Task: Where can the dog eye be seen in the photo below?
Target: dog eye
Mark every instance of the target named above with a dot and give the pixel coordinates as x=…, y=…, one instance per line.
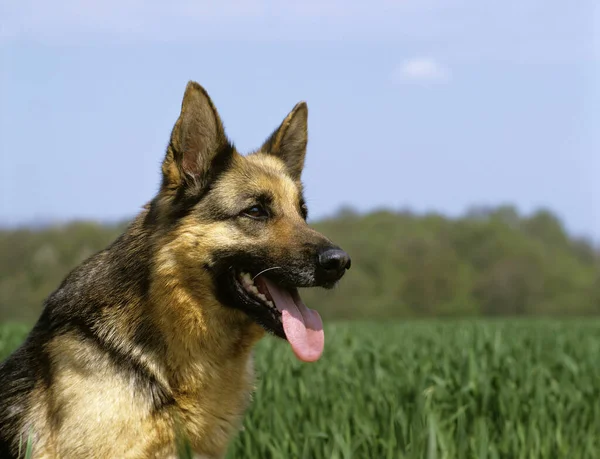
x=256, y=212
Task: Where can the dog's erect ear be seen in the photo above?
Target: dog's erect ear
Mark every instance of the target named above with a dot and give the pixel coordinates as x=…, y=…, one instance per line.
x=288, y=142
x=199, y=147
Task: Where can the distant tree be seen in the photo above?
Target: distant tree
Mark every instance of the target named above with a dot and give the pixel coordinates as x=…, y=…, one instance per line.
x=491, y=261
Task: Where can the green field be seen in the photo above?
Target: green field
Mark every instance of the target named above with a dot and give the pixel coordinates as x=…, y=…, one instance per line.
x=481, y=389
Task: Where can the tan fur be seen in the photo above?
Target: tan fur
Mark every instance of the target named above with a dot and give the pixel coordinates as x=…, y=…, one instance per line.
x=208, y=369
x=201, y=350
x=209, y=362
x=88, y=388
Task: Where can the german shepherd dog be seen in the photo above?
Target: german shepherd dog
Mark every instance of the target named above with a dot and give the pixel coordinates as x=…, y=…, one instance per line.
x=151, y=339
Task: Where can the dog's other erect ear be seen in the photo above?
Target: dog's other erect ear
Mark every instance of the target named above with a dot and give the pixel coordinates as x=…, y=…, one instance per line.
x=198, y=148
x=289, y=140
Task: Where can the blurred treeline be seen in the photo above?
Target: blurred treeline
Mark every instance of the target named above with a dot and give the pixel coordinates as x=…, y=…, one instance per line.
x=489, y=262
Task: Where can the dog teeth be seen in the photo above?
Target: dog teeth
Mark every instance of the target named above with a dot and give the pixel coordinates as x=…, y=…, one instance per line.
x=250, y=286
x=247, y=281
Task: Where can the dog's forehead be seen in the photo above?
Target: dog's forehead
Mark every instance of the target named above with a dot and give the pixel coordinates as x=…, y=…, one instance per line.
x=259, y=173
x=264, y=163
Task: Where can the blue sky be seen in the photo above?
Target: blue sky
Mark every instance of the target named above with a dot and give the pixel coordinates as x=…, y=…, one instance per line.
x=431, y=104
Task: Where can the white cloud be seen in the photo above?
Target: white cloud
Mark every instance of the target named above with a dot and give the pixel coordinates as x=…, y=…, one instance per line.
x=421, y=70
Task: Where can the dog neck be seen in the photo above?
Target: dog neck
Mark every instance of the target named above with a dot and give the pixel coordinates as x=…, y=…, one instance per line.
x=197, y=330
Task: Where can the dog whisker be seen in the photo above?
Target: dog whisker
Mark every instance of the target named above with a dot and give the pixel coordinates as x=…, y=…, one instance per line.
x=265, y=270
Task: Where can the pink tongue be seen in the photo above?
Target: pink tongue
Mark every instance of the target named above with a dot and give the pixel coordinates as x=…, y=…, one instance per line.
x=303, y=326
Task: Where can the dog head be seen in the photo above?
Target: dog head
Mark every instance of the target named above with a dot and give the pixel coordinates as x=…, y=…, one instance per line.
x=240, y=221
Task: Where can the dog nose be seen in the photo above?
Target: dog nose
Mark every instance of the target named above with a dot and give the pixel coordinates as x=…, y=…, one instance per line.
x=334, y=261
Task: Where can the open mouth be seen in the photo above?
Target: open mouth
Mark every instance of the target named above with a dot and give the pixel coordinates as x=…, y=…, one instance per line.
x=302, y=326
x=251, y=287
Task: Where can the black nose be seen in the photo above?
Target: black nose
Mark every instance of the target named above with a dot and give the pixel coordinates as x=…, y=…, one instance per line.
x=334, y=261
